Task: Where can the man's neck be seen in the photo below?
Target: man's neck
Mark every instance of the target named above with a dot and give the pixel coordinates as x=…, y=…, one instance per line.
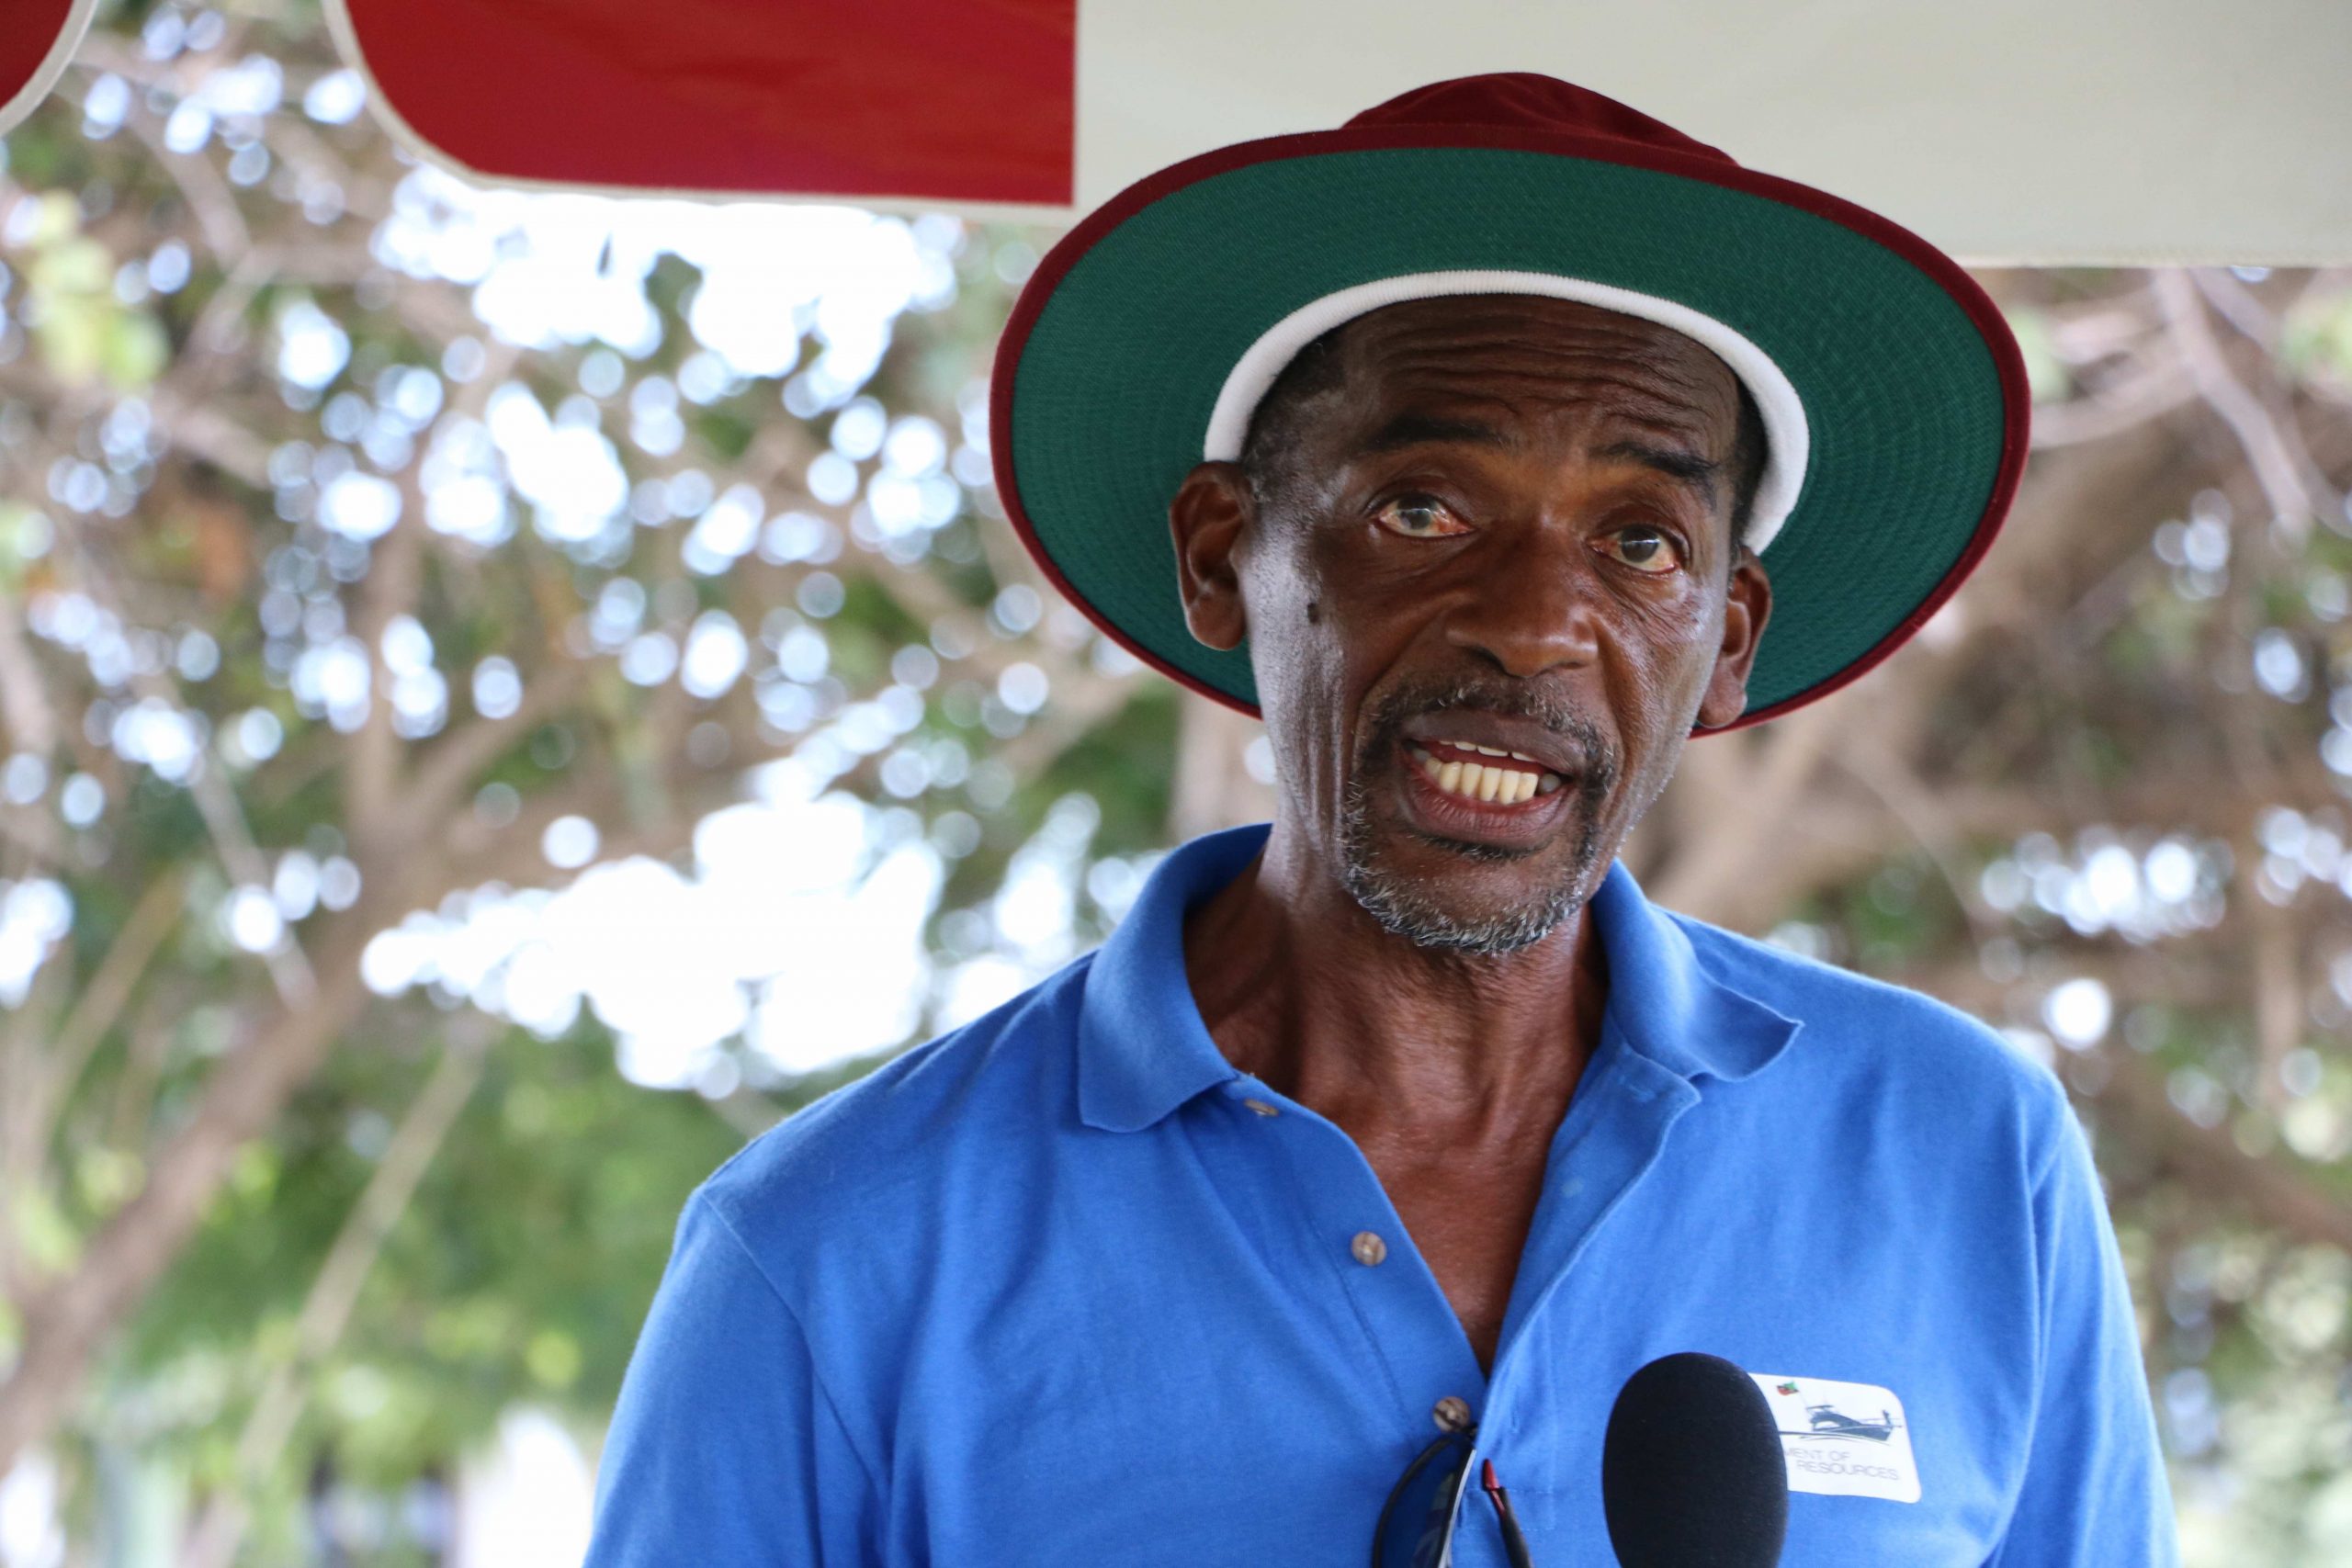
x=1397, y=1043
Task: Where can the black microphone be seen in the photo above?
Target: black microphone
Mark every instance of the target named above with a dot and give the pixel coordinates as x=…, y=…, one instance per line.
x=1691, y=1471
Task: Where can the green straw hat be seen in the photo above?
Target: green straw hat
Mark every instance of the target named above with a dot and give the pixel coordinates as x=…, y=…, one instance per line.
x=1894, y=397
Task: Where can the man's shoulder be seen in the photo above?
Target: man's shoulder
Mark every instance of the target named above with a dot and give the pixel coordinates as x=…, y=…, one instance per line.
x=871, y=1148
x=1852, y=1025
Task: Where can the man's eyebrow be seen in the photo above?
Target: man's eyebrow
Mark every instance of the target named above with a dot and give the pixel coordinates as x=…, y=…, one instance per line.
x=1424, y=429
x=1699, y=473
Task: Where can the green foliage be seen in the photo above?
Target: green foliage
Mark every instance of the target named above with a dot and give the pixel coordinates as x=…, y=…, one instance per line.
x=521, y=1269
x=80, y=328
x=2318, y=339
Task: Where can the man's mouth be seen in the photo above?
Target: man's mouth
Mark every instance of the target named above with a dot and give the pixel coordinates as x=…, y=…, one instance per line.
x=1485, y=773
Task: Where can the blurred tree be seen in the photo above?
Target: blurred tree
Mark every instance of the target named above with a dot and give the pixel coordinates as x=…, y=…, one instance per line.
x=376, y=553
x=455, y=644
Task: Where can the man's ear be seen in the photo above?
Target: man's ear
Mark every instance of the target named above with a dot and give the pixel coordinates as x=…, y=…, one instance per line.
x=1748, y=604
x=1210, y=516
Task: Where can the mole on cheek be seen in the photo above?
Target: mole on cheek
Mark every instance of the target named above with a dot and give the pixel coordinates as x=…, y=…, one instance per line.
x=1314, y=613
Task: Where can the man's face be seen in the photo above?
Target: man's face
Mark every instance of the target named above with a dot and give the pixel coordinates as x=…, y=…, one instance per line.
x=1506, y=526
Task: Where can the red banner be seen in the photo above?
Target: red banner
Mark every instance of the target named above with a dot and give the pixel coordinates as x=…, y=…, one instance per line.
x=957, y=100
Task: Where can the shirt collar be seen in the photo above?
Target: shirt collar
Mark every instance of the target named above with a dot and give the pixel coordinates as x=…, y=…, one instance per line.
x=1143, y=1050
x=1672, y=1005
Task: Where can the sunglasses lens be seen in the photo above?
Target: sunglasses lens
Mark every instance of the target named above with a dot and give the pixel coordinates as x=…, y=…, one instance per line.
x=1418, y=1516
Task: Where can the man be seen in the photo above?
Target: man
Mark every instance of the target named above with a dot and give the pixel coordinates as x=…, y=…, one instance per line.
x=1406, y=1129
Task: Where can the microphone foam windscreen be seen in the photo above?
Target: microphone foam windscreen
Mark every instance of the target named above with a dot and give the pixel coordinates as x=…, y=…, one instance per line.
x=1691, y=1471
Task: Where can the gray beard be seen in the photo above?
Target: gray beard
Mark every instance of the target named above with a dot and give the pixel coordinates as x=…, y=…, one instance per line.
x=1413, y=909
x=1417, y=908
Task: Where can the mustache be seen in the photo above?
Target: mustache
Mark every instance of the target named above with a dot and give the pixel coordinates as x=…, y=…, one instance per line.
x=1516, y=699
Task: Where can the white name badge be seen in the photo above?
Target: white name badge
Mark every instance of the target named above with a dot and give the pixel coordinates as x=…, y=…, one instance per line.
x=1844, y=1439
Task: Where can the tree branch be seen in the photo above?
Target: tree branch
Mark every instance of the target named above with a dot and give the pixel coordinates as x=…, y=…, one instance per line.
x=2278, y=1193
x=2265, y=450
x=335, y=1291
x=23, y=706
x=67, y=1322
x=225, y=819
x=371, y=772
x=439, y=781
x=43, y=1089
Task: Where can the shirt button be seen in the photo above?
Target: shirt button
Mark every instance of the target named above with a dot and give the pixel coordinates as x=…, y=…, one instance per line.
x=1452, y=1413
x=1261, y=1108
x=1368, y=1247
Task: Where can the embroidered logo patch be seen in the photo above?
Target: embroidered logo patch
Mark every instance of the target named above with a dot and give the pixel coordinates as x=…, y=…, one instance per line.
x=1842, y=1439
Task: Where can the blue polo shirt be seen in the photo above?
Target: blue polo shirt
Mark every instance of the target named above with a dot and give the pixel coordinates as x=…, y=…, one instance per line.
x=1064, y=1287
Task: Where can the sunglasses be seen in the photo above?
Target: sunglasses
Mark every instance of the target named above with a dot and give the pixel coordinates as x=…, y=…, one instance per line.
x=1416, y=1528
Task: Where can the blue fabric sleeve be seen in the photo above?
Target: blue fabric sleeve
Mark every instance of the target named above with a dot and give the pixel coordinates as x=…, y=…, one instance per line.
x=725, y=1449
x=2095, y=1493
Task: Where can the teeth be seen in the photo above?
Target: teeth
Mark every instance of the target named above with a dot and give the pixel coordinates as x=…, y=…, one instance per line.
x=1503, y=786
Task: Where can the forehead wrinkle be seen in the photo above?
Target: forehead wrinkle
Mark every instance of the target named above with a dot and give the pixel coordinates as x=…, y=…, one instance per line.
x=1509, y=338
x=1457, y=376
x=1596, y=419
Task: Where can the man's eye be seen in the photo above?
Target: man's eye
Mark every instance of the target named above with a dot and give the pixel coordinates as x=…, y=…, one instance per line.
x=1645, y=549
x=1419, y=517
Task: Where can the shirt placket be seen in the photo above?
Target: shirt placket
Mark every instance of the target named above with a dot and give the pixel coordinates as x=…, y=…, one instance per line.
x=1615, y=1134
x=1351, y=1237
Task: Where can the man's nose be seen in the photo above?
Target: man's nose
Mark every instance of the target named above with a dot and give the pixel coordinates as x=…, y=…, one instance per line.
x=1533, y=609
